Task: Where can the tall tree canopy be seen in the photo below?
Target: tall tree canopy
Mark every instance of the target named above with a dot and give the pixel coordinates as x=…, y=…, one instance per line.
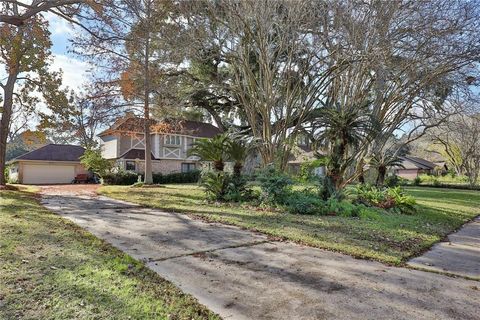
x=25, y=56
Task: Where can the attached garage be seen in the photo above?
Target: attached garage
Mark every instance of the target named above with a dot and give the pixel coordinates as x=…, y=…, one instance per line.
x=50, y=164
x=48, y=173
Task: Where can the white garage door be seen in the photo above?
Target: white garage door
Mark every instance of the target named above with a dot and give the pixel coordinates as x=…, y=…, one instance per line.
x=48, y=174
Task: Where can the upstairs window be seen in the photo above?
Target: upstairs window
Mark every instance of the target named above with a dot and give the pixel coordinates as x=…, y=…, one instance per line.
x=172, y=140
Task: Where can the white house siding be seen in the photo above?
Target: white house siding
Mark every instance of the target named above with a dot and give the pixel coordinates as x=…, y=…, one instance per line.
x=110, y=147
x=125, y=144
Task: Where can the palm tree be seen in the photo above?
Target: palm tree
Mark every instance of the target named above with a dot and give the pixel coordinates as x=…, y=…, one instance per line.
x=382, y=161
x=344, y=129
x=214, y=149
x=237, y=152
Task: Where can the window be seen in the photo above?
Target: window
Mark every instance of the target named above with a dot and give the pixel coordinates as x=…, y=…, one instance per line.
x=130, y=165
x=172, y=140
x=187, y=167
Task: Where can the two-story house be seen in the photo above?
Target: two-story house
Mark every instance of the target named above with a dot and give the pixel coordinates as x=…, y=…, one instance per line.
x=124, y=141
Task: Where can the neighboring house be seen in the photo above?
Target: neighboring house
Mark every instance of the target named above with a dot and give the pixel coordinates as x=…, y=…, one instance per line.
x=124, y=141
x=414, y=166
x=301, y=153
x=50, y=164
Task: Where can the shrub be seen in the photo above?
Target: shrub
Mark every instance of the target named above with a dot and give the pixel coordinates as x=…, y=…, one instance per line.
x=120, y=178
x=342, y=208
x=6, y=173
x=394, y=181
x=387, y=198
x=417, y=181
x=275, y=185
x=214, y=184
x=177, y=177
x=222, y=186
x=93, y=161
x=403, y=203
x=304, y=202
x=236, y=189
x=369, y=195
x=308, y=202
x=129, y=177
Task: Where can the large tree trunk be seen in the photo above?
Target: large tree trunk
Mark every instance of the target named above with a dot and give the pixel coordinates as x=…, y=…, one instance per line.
x=148, y=147
x=219, y=165
x=148, y=141
x=5, y=123
x=382, y=171
x=237, y=169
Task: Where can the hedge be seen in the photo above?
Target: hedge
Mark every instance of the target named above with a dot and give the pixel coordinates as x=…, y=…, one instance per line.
x=449, y=186
x=129, y=177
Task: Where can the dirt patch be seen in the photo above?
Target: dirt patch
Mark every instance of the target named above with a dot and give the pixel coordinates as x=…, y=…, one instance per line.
x=70, y=189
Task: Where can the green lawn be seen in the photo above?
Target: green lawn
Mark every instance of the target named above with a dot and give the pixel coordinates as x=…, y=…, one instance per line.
x=387, y=237
x=51, y=269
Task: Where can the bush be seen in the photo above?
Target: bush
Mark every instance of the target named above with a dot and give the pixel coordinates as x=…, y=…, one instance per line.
x=308, y=202
x=394, y=181
x=342, y=208
x=120, y=178
x=275, y=185
x=214, y=184
x=222, y=186
x=129, y=177
x=387, y=198
x=93, y=161
x=236, y=189
x=403, y=203
x=304, y=202
x=177, y=177
x=417, y=181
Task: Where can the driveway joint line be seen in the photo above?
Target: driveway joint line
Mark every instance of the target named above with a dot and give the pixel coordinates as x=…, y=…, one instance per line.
x=241, y=245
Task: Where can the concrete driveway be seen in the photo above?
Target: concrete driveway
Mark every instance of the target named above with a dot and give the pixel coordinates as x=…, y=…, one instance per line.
x=244, y=275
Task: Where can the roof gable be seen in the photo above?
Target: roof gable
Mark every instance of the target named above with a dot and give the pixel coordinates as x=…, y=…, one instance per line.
x=419, y=162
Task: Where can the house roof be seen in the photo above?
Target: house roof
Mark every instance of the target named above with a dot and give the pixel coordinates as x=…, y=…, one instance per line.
x=133, y=124
x=133, y=154
x=419, y=162
x=54, y=152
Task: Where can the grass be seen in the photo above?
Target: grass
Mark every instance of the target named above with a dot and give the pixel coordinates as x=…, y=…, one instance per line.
x=386, y=237
x=52, y=269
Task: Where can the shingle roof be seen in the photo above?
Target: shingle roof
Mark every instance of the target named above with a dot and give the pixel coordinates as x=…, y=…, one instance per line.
x=198, y=129
x=54, y=152
x=188, y=127
x=133, y=154
x=419, y=162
